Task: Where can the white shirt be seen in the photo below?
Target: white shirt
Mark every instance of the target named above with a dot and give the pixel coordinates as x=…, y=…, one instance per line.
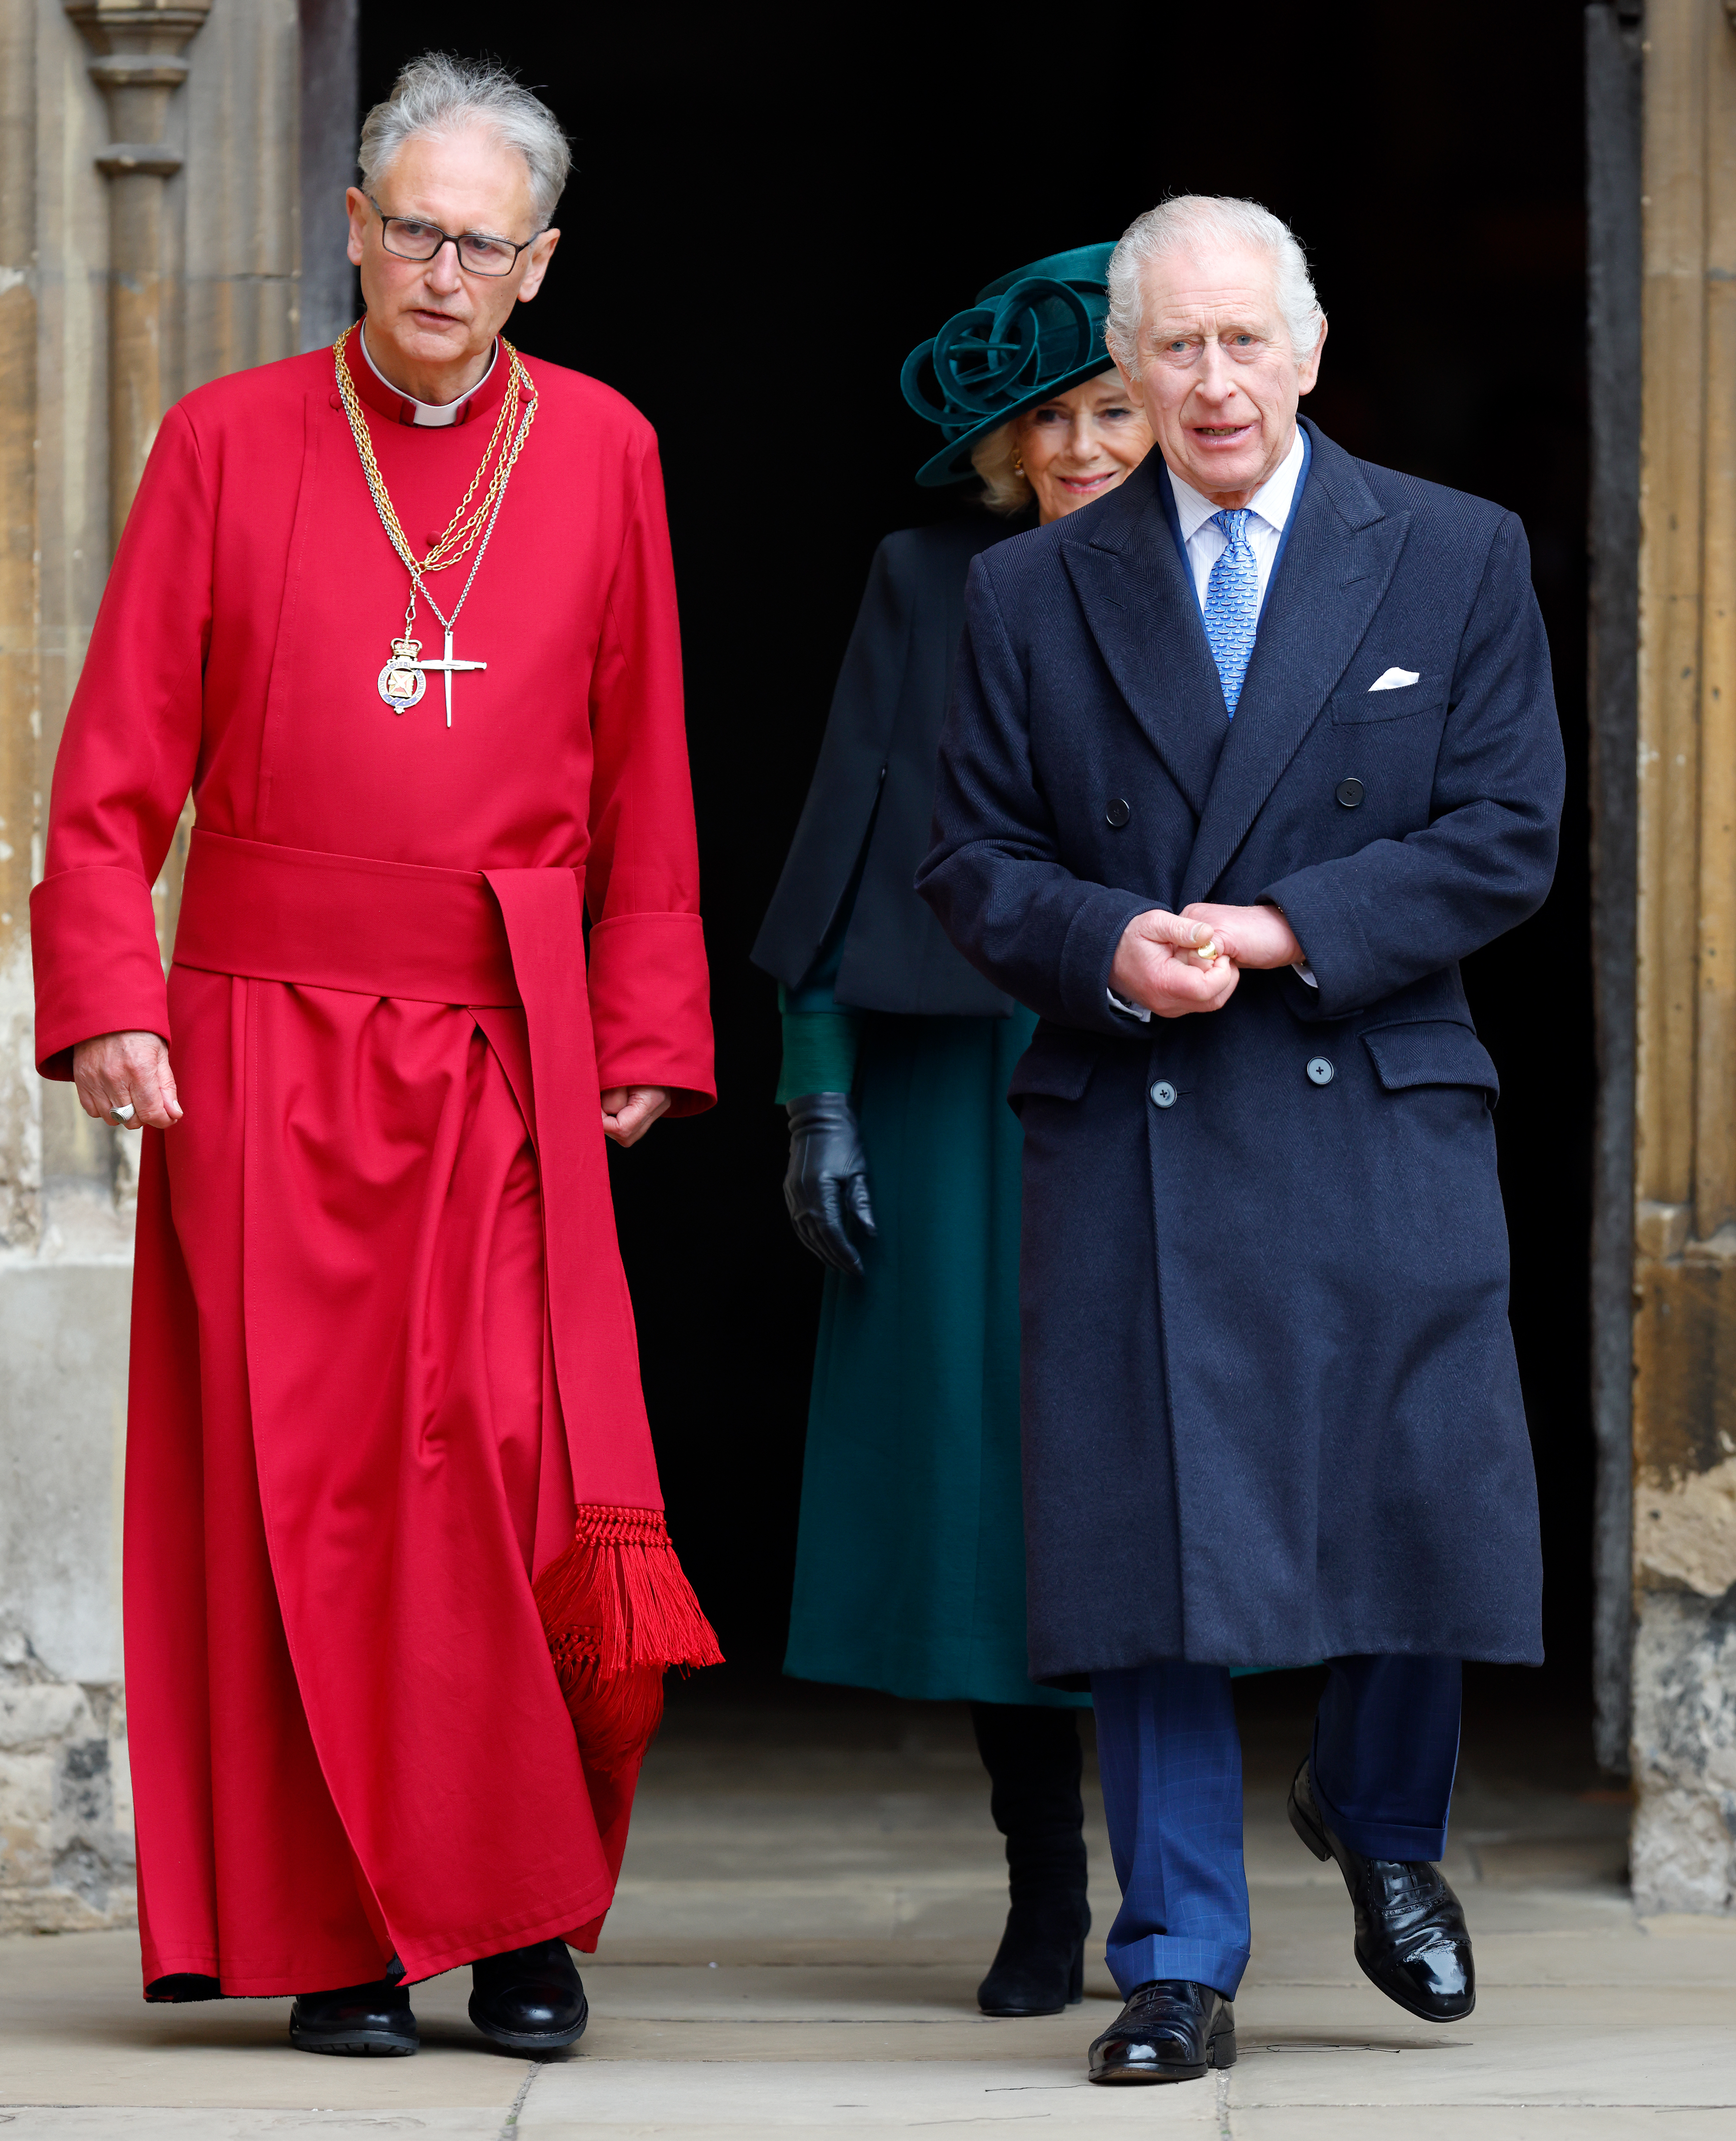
x=1268, y=510
x=432, y=414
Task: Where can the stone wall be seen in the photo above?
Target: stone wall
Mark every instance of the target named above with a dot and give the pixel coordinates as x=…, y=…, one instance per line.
x=1683, y=1857
x=227, y=214
x=1683, y=1693
x=66, y=1827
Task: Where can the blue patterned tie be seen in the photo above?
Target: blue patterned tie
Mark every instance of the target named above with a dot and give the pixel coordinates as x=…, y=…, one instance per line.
x=1232, y=604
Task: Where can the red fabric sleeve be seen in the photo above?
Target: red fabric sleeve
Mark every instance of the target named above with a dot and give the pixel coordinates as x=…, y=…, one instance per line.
x=649, y=989
x=125, y=766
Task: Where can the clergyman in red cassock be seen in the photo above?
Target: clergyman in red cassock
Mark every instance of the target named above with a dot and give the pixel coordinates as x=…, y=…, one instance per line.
x=393, y=1521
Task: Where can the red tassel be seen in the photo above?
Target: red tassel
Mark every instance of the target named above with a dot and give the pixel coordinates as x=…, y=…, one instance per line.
x=618, y=1612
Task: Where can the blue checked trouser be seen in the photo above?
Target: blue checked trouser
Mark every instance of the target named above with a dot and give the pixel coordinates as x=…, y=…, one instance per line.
x=1385, y=1748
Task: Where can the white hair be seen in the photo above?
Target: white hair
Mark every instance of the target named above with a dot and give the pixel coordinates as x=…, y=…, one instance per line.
x=1190, y=220
x=440, y=94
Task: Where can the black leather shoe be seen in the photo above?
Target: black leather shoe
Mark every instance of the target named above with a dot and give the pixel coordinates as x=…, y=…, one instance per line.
x=529, y=1999
x=1039, y=1966
x=1411, y=1937
x=366, y=2020
x=1171, y=2030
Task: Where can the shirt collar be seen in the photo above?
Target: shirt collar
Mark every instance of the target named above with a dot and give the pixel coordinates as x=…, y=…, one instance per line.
x=1271, y=501
x=430, y=416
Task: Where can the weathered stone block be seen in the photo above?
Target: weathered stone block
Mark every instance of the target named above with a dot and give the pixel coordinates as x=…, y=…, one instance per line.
x=26, y=1804
x=1684, y=1753
x=65, y=1832
x=33, y=1717
x=62, y=1440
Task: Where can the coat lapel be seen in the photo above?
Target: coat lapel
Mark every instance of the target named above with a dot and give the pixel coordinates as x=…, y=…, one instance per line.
x=1143, y=612
x=1334, y=572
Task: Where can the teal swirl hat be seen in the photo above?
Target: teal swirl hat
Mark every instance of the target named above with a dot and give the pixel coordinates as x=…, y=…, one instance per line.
x=1029, y=335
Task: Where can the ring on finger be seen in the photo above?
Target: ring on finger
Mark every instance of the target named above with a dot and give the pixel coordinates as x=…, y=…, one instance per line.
x=121, y=1114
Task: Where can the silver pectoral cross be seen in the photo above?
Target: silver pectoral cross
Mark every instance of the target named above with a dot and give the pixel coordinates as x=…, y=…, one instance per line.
x=449, y=664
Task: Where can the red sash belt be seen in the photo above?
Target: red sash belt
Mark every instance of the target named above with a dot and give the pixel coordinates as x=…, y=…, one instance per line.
x=384, y=929
x=616, y=1605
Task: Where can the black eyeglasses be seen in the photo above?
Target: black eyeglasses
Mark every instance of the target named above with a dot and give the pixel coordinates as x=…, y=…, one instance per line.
x=408, y=238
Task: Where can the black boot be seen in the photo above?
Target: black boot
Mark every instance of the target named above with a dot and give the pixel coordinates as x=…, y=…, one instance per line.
x=1032, y=1755
x=529, y=1999
x=364, y=2019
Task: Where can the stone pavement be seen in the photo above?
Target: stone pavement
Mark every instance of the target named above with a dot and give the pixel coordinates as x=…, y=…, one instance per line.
x=812, y=1892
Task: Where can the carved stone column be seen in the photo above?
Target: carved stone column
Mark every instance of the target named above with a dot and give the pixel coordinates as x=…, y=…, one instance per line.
x=1684, y=1265
x=20, y=598
x=139, y=66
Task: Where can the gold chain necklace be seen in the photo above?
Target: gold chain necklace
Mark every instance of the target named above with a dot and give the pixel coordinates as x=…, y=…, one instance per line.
x=404, y=678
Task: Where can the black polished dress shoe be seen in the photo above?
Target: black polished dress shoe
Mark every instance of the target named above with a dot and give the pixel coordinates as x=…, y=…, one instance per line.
x=1039, y=1966
x=364, y=2021
x=1171, y=2030
x=529, y=1999
x=1411, y=1938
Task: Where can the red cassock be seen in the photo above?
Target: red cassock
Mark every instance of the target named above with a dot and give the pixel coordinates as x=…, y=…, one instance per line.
x=381, y=1343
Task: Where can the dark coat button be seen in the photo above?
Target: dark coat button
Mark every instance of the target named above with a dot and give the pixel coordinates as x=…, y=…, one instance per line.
x=1163, y=1094
x=1117, y=812
x=1348, y=792
x=1321, y=1071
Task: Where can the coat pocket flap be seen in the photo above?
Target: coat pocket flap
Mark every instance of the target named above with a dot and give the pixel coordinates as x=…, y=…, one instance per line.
x=1431, y=1051
x=1357, y=703
x=1054, y=1067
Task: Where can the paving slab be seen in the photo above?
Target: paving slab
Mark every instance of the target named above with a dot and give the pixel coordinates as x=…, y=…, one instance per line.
x=901, y=1991
x=810, y=1903
x=1519, y=2121
x=1679, y=1925
x=1520, y=1937
x=74, y=2030
x=818, y=1906
x=939, y=2036
x=178, y=2123
x=1490, y=2062
x=1359, y=2010
x=758, y=2096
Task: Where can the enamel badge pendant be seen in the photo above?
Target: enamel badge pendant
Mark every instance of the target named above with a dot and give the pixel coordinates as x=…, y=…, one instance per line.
x=401, y=681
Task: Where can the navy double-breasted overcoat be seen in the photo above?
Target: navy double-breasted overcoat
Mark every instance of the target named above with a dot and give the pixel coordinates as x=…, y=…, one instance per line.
x=1271, y=1411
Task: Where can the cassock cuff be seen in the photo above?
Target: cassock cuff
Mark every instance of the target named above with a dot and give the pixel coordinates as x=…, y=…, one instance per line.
x=650, y=1006
x=93, y=942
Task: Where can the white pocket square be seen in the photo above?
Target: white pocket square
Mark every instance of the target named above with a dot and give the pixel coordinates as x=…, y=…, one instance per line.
x=1395, y=680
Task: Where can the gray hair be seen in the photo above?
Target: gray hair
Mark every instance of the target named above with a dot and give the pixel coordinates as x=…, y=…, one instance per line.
x=1005, y=487
x=1179, y=225
x=441, y=94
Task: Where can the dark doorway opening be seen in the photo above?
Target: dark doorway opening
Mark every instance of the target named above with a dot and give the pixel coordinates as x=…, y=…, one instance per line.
x=759, y=227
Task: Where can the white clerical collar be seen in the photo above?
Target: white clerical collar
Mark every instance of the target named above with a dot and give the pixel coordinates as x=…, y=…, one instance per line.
x=431, y=415
x=1271, y=501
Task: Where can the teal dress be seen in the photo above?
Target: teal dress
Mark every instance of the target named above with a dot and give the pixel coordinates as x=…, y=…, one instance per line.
x=910, y=1560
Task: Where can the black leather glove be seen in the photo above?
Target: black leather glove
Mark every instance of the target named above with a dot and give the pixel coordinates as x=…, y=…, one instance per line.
x=828, y=1179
